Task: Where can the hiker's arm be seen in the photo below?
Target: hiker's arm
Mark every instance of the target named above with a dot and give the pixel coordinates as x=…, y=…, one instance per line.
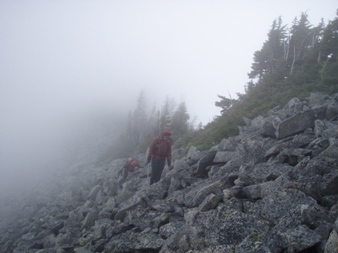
x=151, y=148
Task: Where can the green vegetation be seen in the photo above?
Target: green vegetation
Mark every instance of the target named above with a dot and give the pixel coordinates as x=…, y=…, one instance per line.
x=292, y=62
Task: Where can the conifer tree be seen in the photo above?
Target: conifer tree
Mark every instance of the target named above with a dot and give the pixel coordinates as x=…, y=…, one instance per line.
x=166, y=113
x=300, y=41
x=139, y=119
x=225, y=103
x=329, y=53
x=270, y=57
x=180, y=124
x=153, y=122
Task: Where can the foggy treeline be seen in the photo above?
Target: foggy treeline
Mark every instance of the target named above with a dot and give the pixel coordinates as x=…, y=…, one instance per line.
x=143, y=124
x=294, y=61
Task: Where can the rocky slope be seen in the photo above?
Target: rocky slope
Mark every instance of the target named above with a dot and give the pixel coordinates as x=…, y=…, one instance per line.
x=273, y=188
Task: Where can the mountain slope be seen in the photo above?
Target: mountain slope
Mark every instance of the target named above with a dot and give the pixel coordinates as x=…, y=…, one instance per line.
x=272, y=188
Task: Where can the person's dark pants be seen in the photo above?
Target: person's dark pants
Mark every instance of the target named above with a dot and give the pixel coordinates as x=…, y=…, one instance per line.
x=157, y=166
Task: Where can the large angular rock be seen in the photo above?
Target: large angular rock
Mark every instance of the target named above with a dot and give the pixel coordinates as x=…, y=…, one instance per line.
x=210, y=202
x=130, y=205
x=224, y=156
x=300, y=122
x=300, y=238
x=93, y=193
x=204, y=162
x=193, y=155
x=329, y=185
x=197, y=195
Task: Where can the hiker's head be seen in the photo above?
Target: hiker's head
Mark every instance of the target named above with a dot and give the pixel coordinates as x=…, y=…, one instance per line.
x=130, y=160
x=166, y=133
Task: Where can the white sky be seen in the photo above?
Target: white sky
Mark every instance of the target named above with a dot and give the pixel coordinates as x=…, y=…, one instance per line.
x=62, y=58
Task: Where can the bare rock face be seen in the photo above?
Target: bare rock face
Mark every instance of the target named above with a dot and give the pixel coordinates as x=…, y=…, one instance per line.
x=272, y=188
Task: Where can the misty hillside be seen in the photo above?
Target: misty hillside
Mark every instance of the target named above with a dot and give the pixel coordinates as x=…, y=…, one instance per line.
x=272, y=188
x=260, y=177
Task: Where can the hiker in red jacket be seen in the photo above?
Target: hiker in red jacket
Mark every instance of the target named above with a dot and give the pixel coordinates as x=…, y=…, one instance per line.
x=159, y=152
x=127, y=168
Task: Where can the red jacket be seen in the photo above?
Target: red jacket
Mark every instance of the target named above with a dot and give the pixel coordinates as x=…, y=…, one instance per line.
x=130, y=166
x=160, y=147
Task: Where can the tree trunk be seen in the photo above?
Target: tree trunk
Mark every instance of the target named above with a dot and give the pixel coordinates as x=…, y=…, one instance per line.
x=293, y=61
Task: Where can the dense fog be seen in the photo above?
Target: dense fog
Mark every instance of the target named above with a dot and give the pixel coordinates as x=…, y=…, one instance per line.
x=43, y=143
